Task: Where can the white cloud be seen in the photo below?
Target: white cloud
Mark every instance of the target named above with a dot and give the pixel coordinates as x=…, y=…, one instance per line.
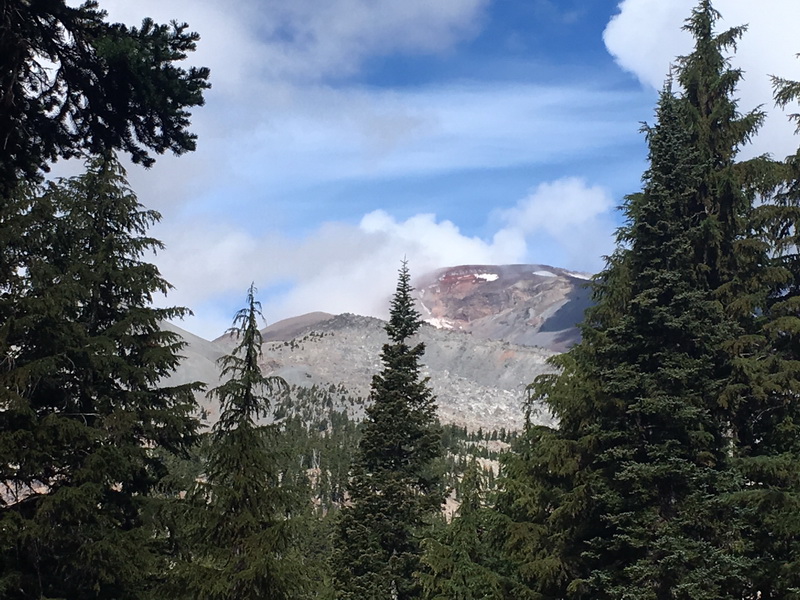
x=305, y=40
x=272, y=115
x=337, y=268
x=646, y=36
x=557, y=207
x=352, y=268
x=565, y=223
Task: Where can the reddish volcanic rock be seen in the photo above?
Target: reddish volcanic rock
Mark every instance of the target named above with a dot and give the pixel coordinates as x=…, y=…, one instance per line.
x=533, y=305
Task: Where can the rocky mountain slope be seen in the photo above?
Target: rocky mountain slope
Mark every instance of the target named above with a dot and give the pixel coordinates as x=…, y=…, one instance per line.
x=530, y=305
x=477, y=383
x=492, y=330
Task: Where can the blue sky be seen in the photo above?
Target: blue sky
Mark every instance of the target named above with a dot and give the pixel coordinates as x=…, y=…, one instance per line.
x=341, y=136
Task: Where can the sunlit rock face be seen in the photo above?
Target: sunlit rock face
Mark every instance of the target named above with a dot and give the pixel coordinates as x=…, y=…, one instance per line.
x=530, y=305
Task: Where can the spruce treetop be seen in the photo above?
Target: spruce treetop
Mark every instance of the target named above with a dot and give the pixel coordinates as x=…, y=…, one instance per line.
x=404, y=319
x=243, y=395
x=240, y=539
x=395, y=488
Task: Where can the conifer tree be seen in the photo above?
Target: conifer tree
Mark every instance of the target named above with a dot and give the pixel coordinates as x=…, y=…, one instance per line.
x=239, y=539
x=768, y=438
x=74, y=85
x=82, y=406
x=458, y=564
x=633, y=495
x=761, y=296
x=394, y=488
x=114, y=88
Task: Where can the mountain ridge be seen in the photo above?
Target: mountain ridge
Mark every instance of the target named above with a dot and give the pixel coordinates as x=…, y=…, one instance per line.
x=476, y=315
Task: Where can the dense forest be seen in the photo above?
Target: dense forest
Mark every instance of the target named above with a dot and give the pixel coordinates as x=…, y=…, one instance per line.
x=673, y=470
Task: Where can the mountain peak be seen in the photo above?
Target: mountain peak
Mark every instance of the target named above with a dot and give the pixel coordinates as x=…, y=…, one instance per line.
x=527, y=304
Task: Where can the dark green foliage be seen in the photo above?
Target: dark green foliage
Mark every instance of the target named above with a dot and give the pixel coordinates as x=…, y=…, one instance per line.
x=786, y=92
x=662, y=459
x=319, y=441
x=768, y=423
x=635, y=494
x=82, y=357
x=458, y=563
x=240, y=526
x=322, y=439
x=761, y=392
x=394, y=489
x=114, y=88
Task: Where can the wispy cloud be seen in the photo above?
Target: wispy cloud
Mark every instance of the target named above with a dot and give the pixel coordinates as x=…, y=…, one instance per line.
x=284, y=106
x=280, y=118
x=305, y=40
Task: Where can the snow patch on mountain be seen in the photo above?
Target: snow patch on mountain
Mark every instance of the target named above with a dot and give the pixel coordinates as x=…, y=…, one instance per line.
x=440, y=323
x=578, y=275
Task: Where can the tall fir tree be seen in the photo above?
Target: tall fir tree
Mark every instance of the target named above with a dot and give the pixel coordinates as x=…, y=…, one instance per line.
x=760, y=293
x=239, y=527
x=395, y=489
x=634, y=495
x=82, y=404
x=74, y=85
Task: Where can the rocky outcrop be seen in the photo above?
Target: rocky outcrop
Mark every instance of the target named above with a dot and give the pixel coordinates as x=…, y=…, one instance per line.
x=478, y=383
